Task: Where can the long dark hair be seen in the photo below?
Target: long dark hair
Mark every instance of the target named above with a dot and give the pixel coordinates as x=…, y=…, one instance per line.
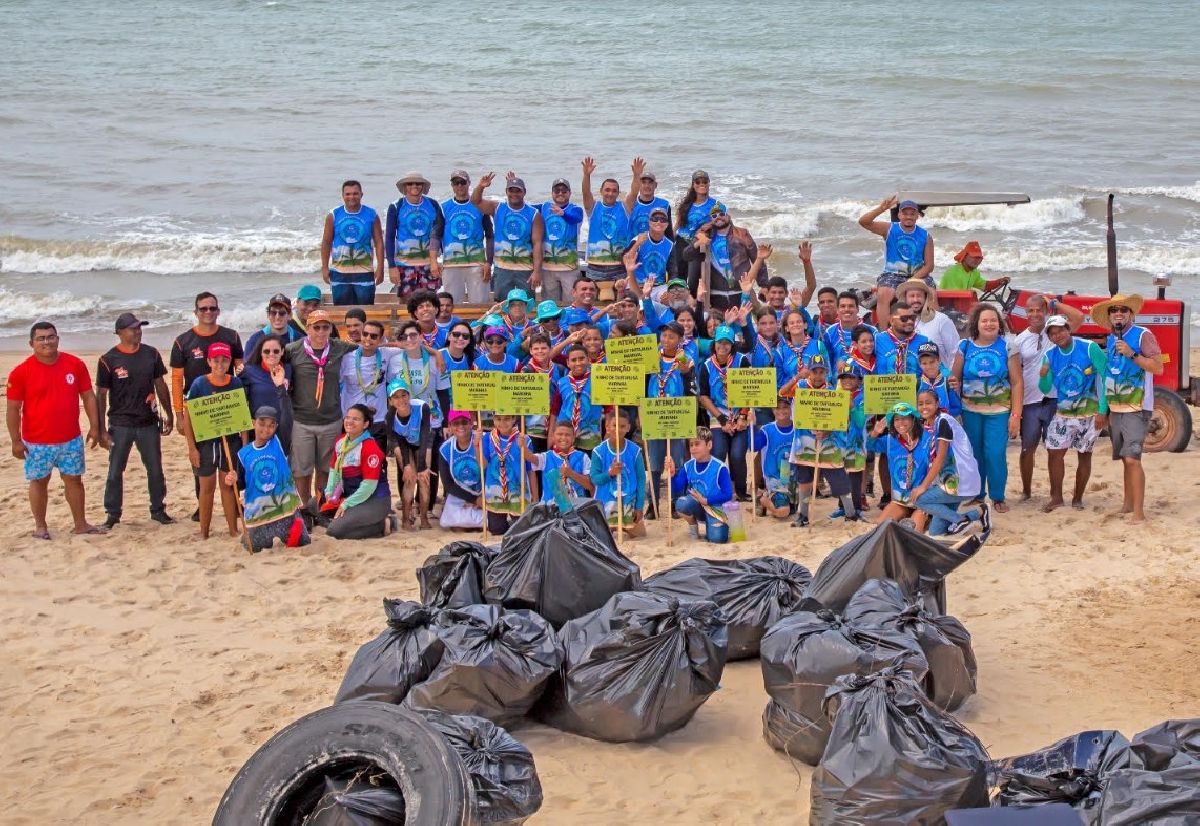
x=469, y=350
x=685, y=203
x=255, y=357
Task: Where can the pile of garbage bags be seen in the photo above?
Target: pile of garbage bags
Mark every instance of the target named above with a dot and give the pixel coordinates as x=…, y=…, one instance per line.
x=1109, y=780
x=636, y=668
x=753, y=594
x=893, y=756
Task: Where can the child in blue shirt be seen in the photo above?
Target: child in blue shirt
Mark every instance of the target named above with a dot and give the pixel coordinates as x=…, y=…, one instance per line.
x=704, y=485
x=609, y=464
x=773, y=443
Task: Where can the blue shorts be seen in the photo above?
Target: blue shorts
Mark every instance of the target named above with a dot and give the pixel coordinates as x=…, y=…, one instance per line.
x=892, y=280
x=352, y=288
x=40, y=460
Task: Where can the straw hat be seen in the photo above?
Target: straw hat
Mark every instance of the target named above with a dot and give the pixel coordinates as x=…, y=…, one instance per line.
x=931, y=302
x=1100, y=311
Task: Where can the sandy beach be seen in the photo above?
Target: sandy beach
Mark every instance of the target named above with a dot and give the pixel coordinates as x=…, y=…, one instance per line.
x=143, y=667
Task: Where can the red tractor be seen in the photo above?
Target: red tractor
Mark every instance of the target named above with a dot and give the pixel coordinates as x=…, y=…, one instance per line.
x=1169, y=320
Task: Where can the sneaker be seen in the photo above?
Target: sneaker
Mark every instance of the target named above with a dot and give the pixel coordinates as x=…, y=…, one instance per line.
x=111, y=521
x=854, y=517
x=800, y=522
x=162, y=518
x=743, y=497
x=957, y=528
x=837, y=514
x=985, y=517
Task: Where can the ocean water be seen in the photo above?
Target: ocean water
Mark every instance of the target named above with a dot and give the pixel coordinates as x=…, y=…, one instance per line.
x=149, y=150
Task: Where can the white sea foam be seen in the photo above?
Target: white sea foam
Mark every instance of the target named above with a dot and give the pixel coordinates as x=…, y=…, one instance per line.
x=1185, y=193
x=1145, y=256
x=267, y=250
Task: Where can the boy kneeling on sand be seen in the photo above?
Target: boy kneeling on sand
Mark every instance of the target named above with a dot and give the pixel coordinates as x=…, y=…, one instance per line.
x=705, y=485
x=272, y=505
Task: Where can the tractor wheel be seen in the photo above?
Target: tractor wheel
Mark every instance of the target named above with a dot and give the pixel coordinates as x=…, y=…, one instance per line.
x=1170, y=424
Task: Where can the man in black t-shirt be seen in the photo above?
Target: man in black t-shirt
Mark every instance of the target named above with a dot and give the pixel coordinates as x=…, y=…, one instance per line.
x=130, y=383
x=189, y=356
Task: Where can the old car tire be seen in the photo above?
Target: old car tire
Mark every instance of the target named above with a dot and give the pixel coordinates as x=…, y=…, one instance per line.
x=281, y=783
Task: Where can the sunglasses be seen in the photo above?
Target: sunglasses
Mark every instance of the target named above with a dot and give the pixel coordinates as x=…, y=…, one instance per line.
x=658, y=219
x=909, y=317
x=1112, y=310
x=458, y=182
x=277, y=312
x=371, y=336
x=411, y=334
x=213, y=309
x=320, y=328
x=494, y=340
x=267, y=352
x=459, y=334
x=699, y=180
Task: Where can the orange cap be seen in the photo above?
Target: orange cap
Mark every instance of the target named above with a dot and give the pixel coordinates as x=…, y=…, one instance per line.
x=315, y=316
x=972, y=249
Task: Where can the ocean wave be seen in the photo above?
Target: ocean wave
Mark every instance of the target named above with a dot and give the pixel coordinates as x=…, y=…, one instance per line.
x=1143, y=256
x=265, y=250
x=1183, y=193
x=21, y=307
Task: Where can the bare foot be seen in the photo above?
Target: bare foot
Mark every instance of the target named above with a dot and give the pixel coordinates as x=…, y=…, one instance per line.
x=41, y=533
x=1000, y=507
x=1137, y=518
x=1026, y=496
x=90, y=529
x=1077, y=504
x=1053, y=504
x=425, y=526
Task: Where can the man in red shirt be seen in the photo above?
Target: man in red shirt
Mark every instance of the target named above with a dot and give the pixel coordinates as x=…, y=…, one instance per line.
x=43, y=423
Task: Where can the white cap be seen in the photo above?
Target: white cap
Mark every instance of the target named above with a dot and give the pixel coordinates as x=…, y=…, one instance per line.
x=1058, y=321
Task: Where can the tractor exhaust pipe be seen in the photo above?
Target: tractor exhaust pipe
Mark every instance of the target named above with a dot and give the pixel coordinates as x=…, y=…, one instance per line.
x=1111, y=240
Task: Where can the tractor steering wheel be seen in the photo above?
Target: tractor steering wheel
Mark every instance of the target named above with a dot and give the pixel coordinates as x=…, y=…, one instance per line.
x=1004, y=295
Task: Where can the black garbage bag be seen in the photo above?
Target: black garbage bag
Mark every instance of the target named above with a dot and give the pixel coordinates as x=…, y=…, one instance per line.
x=946, y=643
x=561, y=565
x=636, y=668
x=506, y=783
x=893, y=756
x=495, y=663
x=801, y=657
x=753, y=594
x=385, y=668
x=355, y=802
x=1071, y=771
x=1167, y=745
x=453, y=577
x=891, y=551
x=1136, y=797
x=1161, y=784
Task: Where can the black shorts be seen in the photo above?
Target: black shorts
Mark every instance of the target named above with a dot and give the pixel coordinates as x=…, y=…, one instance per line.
x=213, y=457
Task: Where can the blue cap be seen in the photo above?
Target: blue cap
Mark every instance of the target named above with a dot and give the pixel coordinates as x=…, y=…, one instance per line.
x=816, y=360
x=517, y=294
x=309, y=292
x=397, y=384
x=725, y=333
x=574, y=315
x=548, y=309
x=907, y=203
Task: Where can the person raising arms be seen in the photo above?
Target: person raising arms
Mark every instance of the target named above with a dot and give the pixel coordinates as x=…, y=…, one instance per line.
x=907, y=254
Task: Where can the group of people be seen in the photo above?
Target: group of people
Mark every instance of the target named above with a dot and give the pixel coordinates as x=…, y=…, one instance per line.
x=334, y=405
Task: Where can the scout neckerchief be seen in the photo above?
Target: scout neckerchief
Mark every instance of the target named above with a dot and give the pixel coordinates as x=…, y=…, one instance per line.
x=766, y=345
x=798, y=351
x=503, y=456
x=599, y=357
x=534, y=367
x=861, y=360
x=663, y=380
x=430, y=339
x=344, y=446
x=844, y=336
x=368, y=389
x=901, y=350
x=320, y=363
x=577, y=387
x=721, y=371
